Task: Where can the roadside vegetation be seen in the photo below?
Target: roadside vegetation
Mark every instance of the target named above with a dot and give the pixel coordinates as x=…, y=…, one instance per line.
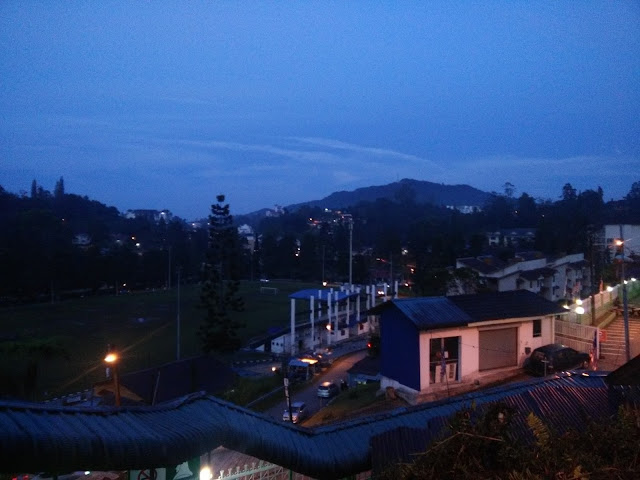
x=473, y=448
x=351, y=403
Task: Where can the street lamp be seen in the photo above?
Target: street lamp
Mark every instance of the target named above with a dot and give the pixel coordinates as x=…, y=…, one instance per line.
x=623, y=282
x=112, y=360
x=349, y=218
x=205, y=473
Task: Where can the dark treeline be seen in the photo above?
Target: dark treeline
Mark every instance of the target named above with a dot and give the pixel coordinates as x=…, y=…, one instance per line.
x=391, y=238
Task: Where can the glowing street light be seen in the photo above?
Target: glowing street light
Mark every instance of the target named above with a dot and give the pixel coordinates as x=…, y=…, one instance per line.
x=623, y=282
x=112, y=360
x=205, y=473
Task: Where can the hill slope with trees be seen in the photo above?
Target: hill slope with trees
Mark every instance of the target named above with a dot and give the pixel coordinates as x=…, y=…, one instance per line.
x=398, y=236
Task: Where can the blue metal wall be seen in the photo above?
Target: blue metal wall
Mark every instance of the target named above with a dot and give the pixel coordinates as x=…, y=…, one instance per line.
x=399, y=348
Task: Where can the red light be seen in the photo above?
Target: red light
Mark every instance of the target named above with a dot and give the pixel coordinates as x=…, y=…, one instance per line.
x=369, y=345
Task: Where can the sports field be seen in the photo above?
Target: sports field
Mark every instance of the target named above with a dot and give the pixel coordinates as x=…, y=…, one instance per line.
x=142, y=325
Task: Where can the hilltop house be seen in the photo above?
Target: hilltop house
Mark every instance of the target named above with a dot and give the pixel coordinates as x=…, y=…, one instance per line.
x=554, y=278
x=430, y=343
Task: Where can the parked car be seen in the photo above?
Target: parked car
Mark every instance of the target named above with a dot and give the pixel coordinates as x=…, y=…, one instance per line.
x=555, y=357
x=328, y=390
x=299, y=412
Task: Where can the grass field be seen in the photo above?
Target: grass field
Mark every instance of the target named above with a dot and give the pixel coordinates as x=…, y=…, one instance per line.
x=143, y=326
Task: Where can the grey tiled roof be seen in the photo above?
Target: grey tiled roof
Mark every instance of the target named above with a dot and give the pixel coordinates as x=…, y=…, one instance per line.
x=177, y=379
x=481, y=266
x=537, y=273
x=502, y=305
x=428, y=313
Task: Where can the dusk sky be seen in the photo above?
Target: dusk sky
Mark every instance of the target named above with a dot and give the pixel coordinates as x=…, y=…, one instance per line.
x=158, y=104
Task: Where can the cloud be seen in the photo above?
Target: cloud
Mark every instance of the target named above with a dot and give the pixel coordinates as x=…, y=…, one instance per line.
x=378, y=152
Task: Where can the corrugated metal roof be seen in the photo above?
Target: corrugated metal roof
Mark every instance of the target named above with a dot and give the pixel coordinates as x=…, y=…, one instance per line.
x=35, y=437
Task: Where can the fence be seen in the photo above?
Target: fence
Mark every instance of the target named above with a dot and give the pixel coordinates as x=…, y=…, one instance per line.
x=603, y=302
x=574, y=335
x=269, y=471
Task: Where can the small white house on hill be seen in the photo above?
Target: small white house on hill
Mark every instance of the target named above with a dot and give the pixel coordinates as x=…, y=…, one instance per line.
x=429, y=342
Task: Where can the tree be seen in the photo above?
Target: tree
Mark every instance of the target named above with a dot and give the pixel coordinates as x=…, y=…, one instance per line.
x=58, y=191
x=509, y=189
x=569, y=193
x=219, y=295
x=488, y=444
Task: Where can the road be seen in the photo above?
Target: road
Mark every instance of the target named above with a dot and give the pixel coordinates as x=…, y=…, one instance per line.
x=335, y=373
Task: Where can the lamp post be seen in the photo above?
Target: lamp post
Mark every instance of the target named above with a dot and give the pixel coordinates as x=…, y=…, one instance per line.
x=623, y=284
x=206, y=473
x=579, y=311
x=350, y=221
x=178, y=320
x=112, y=360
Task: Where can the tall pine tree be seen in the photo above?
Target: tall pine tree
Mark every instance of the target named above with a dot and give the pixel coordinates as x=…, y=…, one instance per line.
x=219, y=295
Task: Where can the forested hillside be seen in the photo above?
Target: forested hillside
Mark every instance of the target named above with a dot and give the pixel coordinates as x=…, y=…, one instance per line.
x=397, y=237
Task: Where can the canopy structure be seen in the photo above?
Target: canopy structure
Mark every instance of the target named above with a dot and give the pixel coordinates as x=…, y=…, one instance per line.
x=335, y=303
x=324, y=294
x=40, y=437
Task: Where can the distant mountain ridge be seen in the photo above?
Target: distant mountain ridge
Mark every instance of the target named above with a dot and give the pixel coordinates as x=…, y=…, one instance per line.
x=421, y=191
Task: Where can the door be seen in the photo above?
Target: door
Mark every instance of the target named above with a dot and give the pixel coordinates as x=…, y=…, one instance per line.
x=498, y=348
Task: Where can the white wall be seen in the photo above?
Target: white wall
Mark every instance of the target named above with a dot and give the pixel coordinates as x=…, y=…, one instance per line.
x=526, y=338
x=468, y=358
x=469, y=355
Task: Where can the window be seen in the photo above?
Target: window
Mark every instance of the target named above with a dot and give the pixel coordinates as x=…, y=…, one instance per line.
x=537, y=328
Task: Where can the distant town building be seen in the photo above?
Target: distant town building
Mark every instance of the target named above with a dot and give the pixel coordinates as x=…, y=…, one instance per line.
x=82, y=240
x=516, y=237
x=246, y=232
x=466, y=209
x=275, y=212
x=554, y=278
x=151, y=215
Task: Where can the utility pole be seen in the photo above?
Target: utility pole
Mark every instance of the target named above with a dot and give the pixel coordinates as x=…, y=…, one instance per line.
x=322, y=279
x=169, y=270
x=592, y=280
x=178, y=320
x=625, y=308
x=350, y=219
